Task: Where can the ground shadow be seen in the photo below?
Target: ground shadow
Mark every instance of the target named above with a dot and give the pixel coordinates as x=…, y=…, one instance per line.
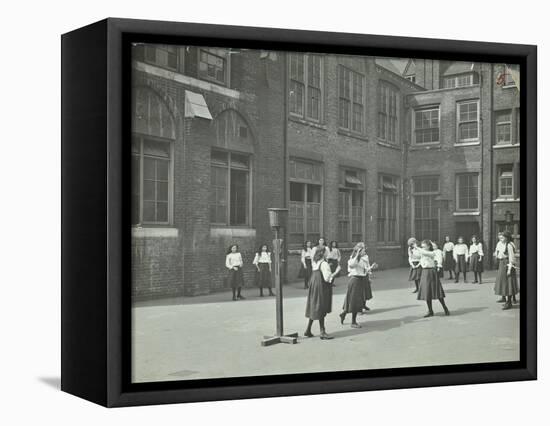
x=384, y=325
x=374, y=311
x=456, y=290
x=54, y=382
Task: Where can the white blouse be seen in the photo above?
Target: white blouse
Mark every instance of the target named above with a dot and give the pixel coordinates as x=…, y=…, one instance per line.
x=438, y=257
x=414, y=255
x=427, y=259
x=263, y=257
x=460, y=249
x=448, y=246
x=359, y=267
x=306, y=254
x=232, y=260
x=500, y=252
x=324, y=267
x=476, y=248
x=334, y=254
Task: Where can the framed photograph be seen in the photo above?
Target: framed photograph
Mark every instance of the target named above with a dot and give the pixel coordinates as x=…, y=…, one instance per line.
x=254, y=212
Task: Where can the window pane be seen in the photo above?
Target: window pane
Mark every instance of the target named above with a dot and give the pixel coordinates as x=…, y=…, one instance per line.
x=148, y=211
x=149, y=190
x=297, y=191
x=162, y=212
x=239, y=197
x=135, y=189
x=313, y=194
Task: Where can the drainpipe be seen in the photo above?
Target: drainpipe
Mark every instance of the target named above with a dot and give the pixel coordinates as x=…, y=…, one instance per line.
x=491, y=168
x=285, y=165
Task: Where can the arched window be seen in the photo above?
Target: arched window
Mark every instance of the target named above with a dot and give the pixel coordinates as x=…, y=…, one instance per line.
x=153, y=135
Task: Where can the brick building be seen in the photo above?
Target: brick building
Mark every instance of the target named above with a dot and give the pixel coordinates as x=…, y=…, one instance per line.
x=361, y=149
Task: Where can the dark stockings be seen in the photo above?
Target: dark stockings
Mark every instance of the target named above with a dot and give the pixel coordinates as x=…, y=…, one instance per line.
x=477, y=277
x=457, y=276
x=416, y=285
x=430, y=307
x=354, y=317
x=234, y=290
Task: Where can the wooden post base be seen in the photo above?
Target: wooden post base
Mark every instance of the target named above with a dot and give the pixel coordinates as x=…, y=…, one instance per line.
x=288, y=338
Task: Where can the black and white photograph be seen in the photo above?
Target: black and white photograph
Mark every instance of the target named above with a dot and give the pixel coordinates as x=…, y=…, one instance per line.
x=380, y=194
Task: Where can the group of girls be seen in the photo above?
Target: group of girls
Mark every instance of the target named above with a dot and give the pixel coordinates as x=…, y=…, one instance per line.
x=234, y=263
x=459, y=257
x=323, y=273
x=333, y=257
x=427, y=264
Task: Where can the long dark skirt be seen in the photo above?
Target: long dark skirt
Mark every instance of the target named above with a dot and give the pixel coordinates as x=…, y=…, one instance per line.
x=355, y=296
x=448, y=261
x=367, y=290
x=506, y=285
x=235, y=278
x=415, y=273
x=430, y=285
x=476, y=264
x=263, y=276
x=319, y=297
x=461, y=265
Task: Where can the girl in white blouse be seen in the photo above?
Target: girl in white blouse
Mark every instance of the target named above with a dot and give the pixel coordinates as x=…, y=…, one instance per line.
x=414, y=261
x=476, y=258
x=262, y=262
x=506, y=284
x=430, y=284
x=448, y=259
x=333, y=257
x=234, y=264
x=461, y=256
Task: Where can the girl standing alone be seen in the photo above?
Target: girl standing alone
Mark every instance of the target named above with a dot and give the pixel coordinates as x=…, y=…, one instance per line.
x=476, y=258
x=414, y=261
x=319, y=298
x=506, y=284
x=430, y=285
x=234, y=262
x=262, y=261
x=448, y=259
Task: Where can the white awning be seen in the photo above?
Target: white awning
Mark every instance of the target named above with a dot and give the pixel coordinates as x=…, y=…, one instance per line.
x=195, y=106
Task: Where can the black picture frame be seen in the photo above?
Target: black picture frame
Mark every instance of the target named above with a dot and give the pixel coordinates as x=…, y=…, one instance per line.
x=95, y=213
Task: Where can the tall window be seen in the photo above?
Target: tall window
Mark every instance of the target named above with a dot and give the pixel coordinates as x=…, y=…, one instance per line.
x=461, y=80
x=467, y=192
x=506, y=181
x=518, y=126
x=426, y=125
x=503, y=127
x=425, y=208
x=229, y=188
x=388, y=192
x=161, y=55
x=213, y=65
x=468, y=121
x=351, y=100
x=304, y=221
x=387, y=112
x=306, y=84
x=151, y=180
x=350, y=206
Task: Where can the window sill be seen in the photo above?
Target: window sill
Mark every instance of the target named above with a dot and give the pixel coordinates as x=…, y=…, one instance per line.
x=344, y=132
x=425, y=146
x=469, y=143
x=154, y=232
x=306, y=122
x=389, y=145
x=508, y=145
x=217, y=231
x=506, y=200
x=466, y=213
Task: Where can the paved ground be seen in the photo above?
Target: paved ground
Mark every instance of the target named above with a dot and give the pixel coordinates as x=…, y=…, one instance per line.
x=212, y=336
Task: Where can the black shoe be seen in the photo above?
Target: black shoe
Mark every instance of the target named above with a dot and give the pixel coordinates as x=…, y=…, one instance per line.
x=325, y=336
x=355, y=325
x=447, y=313
x=475, y=282
x=429, y=314
x=234, y=298
x=342, y=317
x=308, y=334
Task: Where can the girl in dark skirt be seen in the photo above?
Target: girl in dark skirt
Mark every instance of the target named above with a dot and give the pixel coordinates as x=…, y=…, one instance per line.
x=506, y=284
x=460, y=254
x=319, y=298
x=359, y=289
x=306, y=256
x=234, y=263
x=448, y=259
x=430, y=285
x=262, y=261
x=414, y=260
x=333, y=258
x=476, y=258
